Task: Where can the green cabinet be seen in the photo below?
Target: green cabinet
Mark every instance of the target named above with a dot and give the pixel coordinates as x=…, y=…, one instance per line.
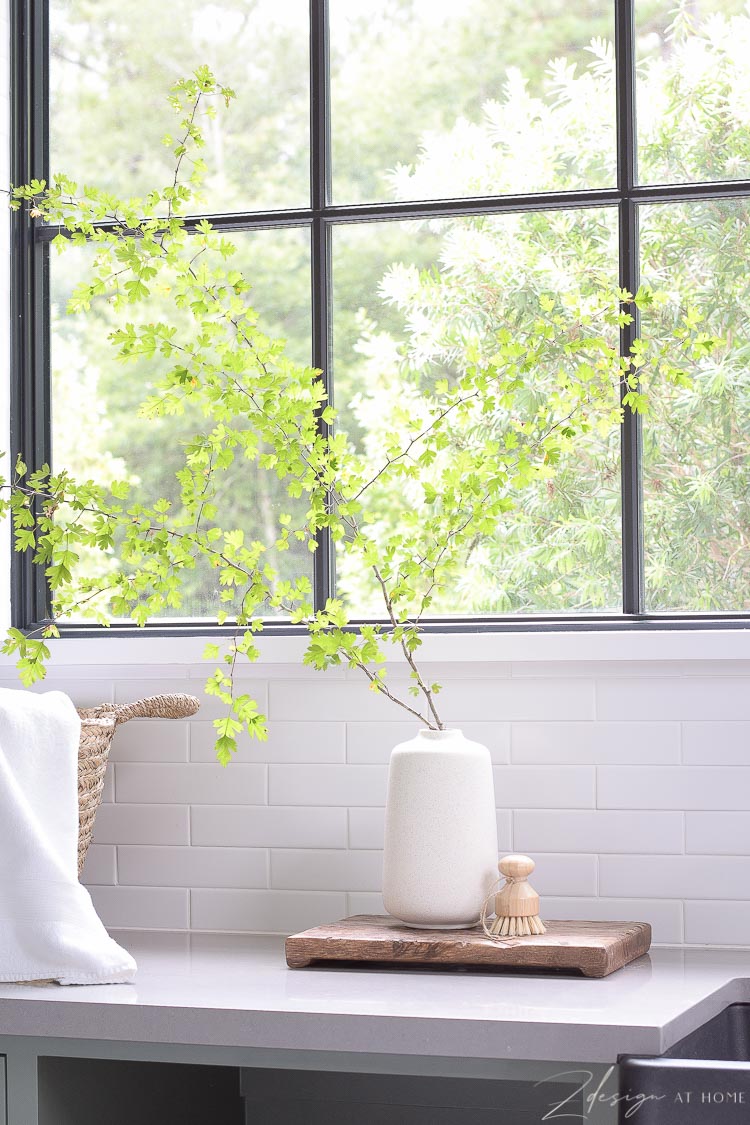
x=68, y=1081
x=81, y=1091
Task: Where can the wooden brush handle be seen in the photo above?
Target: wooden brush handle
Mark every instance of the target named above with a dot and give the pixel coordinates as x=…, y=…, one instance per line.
x=516, y=866
x=516, y=899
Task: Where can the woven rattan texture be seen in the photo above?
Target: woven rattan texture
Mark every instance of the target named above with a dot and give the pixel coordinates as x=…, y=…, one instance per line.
x=98, y=725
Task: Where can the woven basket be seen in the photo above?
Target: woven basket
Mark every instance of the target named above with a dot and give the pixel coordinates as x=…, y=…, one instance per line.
x=98, y=725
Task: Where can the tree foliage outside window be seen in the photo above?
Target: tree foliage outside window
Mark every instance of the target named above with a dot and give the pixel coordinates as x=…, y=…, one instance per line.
x=456, y=107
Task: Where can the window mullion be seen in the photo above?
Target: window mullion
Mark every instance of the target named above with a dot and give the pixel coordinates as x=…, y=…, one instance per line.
x=632, y=434
x=31, y=431
x=320, y=180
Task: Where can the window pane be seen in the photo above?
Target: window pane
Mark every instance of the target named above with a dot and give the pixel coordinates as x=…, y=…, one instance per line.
x=98, y=397
x=693, y=91
x=433, y=99
x=111, y=67
x=697, y=443
x=414, y=303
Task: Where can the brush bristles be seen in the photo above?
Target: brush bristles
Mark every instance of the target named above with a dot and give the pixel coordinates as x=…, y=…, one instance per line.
x=518, y=927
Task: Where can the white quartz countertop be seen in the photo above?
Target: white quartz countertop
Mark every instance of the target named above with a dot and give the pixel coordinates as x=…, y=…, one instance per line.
x=232, y=990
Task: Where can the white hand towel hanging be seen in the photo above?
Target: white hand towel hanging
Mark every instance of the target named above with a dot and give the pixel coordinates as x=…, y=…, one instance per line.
x=49, y=929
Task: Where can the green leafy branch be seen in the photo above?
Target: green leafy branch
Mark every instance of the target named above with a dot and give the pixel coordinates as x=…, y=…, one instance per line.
x=461, y=453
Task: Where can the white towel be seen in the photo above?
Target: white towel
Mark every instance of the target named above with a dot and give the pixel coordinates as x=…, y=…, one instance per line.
x=49, y=929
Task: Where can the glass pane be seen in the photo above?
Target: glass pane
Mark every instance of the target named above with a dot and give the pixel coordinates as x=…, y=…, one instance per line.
x=94, y=395
x=697, y=443
x=693, y=91
x=414, y=303
x=433, y=99
x=112, y=65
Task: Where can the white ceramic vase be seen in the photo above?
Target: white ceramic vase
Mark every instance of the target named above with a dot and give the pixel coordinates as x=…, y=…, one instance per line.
x=440, y=855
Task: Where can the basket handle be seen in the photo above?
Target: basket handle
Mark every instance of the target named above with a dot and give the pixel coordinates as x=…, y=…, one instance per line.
x=175, y=706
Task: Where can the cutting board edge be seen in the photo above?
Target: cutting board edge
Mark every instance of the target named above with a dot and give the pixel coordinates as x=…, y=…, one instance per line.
x=318, y=946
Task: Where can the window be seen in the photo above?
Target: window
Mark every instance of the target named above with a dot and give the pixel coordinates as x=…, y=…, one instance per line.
x=398, y=175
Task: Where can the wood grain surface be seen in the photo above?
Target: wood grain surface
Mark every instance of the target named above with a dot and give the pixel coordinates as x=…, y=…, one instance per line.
x=594, y=949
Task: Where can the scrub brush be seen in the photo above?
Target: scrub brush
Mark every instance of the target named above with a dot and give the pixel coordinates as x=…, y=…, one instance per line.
x=516, y=903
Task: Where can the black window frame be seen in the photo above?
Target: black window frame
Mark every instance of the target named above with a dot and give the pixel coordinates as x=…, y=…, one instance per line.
x=30, y=309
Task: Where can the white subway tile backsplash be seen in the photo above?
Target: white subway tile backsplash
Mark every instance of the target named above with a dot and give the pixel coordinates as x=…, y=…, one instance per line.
x=495, y=736
x=673, y=787
x=127, y=691
x=665, y=918
x=717, y=833
x=287, y=742
x=192, y=867
x=565, y=874
x=151, y=740
x=595, y=831
x=192, y=783
x=366, y=828
x=373, y=742
x=153, y=674
x=679, y=699
x=246, y=671
x=596, y=669
x=504, y=830
x=364, y=902
x=275, y=912
x=514, y=700
x=722, y=668
x=142, y=824
x=598, y=743
x=327, y=785
x=442, y=672
x=628, y=782
x=108, y=792
x=147, y=908
x=326, y=870
x=686, y=877
x=717, y=923
x=100, y=866
x=265, y=826
x=483, y=700
x=79, y=674
x=348, y=700
x=544, y=787
x=718, y=744
x=85, y=692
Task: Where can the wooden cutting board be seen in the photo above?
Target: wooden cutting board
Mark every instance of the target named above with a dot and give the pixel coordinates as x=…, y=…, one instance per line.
x=594, y=949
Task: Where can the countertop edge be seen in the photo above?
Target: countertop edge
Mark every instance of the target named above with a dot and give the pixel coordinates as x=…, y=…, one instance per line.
x=735, y=991
x=334, y=1032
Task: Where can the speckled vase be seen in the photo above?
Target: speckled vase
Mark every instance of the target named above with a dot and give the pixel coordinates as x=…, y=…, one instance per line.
x=440, y=856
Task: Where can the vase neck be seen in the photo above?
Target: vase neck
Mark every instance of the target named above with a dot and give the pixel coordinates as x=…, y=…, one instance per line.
x=439, y=735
